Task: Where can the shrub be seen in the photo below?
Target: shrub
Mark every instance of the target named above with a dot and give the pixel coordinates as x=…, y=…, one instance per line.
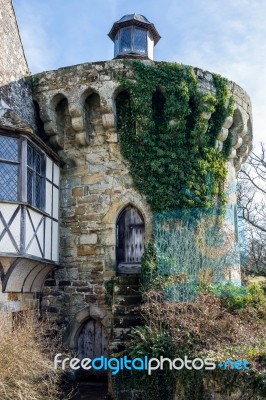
x=238, y=297
x=26, y=367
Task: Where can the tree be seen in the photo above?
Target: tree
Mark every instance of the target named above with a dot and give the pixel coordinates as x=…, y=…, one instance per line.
x=252, y=201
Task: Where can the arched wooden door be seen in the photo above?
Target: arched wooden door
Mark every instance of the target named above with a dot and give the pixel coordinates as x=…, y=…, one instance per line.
x=92, y=341
x=130, y=231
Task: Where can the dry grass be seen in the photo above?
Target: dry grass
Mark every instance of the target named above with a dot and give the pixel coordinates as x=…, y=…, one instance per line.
x=26, y=362
x=206, y=325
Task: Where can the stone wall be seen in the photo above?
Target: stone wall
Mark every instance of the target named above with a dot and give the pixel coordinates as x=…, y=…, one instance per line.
x=15, y=89
x=95, y=180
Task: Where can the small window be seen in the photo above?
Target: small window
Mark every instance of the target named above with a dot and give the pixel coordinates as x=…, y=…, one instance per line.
x=140, y=40
x=131, y=40
x=9, y=168
x=125, y=40
x=116, y=48
x=35, y=177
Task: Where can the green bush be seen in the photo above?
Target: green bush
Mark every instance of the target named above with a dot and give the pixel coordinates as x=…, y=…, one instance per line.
x=238, y=297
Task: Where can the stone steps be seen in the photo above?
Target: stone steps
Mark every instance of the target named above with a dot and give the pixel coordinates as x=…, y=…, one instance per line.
x=126, y=309
x=126, y=289
x=91, y=391
x=129, y=300
x=126, y=299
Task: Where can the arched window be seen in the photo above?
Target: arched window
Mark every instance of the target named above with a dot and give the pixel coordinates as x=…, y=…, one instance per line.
x=39, y=123
x=123, y=111
x=129, y=240
x=92, y=113
x=62, y=116
x=158, y=105
x=238, y=124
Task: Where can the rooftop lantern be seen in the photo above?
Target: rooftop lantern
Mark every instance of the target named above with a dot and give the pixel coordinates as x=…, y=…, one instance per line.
x=134, y=37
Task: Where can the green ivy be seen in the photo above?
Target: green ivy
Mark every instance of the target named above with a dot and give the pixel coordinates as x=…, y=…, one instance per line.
x=167, y=139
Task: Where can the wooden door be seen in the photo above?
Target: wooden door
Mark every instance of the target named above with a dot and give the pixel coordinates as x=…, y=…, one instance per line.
x=134, y=236
x=130, y=236
x=92, y=341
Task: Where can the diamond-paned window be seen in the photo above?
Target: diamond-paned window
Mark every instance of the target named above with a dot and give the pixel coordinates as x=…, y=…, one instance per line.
x=9, y=181
x=35, y=177
x=140, y=40
x=125, y=40
x=8, y=148
x=21, y=164
x=9, y=168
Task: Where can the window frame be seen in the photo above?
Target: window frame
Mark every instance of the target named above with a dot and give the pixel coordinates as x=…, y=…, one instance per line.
x=133, y=29
x=22, y=181
x=42, y=175
x=14, y=162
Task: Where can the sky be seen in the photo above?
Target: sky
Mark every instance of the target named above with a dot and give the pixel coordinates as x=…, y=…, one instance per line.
x=223, y=36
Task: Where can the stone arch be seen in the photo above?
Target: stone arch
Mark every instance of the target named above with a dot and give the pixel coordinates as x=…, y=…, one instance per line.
x=60, y=117
x=92, y=312
x=246, y=146
x=61, y=114
x=91, y=105
x=122, y=109
x=39, y=122
x=158, y=105
x=238, y=123
x=130, y=239
x=117, y=205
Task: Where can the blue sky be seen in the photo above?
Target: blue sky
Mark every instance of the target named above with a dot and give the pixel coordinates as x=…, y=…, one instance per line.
x=223, y=36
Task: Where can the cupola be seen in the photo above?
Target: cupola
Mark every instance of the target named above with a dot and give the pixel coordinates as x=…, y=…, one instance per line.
x=134, y=37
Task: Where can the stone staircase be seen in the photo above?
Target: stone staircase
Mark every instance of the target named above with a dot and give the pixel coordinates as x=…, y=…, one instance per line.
x=126, y=297
x=91, y=391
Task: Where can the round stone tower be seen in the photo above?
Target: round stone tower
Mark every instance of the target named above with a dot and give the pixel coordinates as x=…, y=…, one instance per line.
x=98, y=202
x=104, y=221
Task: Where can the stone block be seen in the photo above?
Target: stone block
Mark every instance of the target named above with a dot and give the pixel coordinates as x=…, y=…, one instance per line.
x=92, y=179
x=78, y=191
x=90, y=238
x=86, y=250
x=80, y=210
x=90, y=298
x=108, y=120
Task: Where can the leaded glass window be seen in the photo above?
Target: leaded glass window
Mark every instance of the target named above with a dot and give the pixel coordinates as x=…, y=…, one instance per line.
x=9, y=168
x=116, y=49
x=35, y=177
x=125, y=40
x=140, y=40
x=131, y=39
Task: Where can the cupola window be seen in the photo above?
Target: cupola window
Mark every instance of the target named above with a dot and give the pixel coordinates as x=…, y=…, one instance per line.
x=134, y=37
x=131, y=40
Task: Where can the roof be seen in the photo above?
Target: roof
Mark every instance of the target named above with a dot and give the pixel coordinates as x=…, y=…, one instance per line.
x=137, y=17
x=134, y=19
x=8, y=119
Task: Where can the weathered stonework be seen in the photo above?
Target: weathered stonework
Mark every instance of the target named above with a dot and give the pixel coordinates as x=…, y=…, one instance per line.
x=15, y=89
x=95, y=180
x=78, y=114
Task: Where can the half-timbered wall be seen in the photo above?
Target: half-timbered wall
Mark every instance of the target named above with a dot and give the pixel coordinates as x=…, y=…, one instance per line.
x=25, y=229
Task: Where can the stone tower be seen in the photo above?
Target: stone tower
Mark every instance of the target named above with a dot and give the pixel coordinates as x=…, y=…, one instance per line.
x=104, y=222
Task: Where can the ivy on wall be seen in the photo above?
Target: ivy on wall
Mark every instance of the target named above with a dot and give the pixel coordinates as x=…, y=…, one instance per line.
x=166, y=136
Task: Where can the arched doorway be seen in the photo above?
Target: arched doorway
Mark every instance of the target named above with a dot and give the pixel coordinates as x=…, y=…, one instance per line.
x=93, y=342
x=130, y=229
